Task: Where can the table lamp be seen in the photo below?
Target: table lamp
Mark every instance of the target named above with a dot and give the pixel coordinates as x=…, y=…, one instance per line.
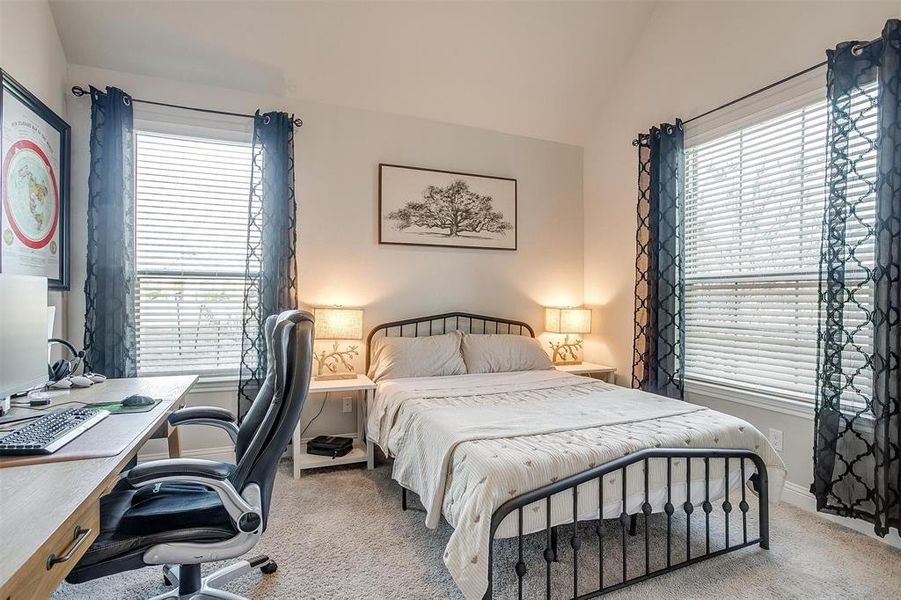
x=338, y=324
x=567, y=321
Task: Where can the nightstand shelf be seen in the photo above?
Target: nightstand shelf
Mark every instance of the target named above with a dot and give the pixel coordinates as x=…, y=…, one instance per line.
x=363, y=450
x=313, y=461
x=593, y=370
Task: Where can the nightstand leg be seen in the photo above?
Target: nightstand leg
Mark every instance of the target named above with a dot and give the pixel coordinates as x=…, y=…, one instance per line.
x=295, y=451
x=370, y=447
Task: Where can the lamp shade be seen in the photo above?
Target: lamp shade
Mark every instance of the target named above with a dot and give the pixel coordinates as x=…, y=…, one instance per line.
x=337, y=323
x=567, y=320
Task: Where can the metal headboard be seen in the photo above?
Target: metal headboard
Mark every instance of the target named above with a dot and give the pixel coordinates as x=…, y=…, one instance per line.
x=452, y=321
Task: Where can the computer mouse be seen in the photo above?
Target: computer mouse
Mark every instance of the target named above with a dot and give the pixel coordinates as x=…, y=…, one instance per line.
x=138, y=400
x=80, y=381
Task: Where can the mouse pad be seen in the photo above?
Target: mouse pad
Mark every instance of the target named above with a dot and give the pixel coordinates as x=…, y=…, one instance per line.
x=118, y=409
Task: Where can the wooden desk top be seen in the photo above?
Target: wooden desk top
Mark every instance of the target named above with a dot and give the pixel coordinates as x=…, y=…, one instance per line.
x=36, y=499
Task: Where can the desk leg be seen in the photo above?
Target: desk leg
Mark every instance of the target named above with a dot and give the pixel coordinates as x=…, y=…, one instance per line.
x=173, y=441
x=370, y=447
x=295, y=451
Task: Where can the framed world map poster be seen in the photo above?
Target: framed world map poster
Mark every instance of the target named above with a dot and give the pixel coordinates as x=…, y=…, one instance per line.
x=34, y=190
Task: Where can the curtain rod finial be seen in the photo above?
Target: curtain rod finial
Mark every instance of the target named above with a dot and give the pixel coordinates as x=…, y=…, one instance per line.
x=78, y=91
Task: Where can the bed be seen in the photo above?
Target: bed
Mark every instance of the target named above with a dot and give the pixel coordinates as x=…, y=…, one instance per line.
x=510, y=454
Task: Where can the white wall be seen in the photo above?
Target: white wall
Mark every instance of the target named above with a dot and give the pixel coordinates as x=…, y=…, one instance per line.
x=31, y=52
x=337, y=154
x=693, y=57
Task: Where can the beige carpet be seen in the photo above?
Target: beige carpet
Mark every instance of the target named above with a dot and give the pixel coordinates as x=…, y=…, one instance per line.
x=341, y=534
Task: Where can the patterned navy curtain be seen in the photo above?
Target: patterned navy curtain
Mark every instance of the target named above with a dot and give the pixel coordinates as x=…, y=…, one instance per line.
x=659, y=348
x=109, y=333
x=271, y=279
x=857, y=456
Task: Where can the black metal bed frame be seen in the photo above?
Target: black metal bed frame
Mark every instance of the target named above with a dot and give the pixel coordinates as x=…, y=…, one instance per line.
x=628, y=522
x=432, y=322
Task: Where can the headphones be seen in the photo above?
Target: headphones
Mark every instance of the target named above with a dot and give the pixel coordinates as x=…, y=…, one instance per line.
x=63, y=368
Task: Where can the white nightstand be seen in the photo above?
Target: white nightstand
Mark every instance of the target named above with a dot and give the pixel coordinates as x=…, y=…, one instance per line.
x=587, y=369
x=363, y=450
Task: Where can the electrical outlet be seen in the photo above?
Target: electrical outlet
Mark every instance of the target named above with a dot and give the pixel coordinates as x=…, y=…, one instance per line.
x=348, y=404
x=776, y=439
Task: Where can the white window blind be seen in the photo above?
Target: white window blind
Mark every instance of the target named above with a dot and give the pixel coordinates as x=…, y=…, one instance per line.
x=191, y=244
x=754, y=202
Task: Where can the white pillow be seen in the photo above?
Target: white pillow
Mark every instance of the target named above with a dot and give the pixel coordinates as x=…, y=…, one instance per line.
x=501, y=353
x=431, y=356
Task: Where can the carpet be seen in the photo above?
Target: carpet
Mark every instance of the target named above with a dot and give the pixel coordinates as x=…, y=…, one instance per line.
x=340, y=534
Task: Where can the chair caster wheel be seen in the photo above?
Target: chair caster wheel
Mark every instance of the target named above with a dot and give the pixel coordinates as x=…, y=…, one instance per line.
x=269, y=568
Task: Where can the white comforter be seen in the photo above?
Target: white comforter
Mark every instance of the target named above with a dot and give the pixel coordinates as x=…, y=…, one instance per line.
x=468, y=443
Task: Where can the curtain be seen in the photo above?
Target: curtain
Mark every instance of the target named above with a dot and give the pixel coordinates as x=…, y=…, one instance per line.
x=109, y=289
x=270, y=278
x=857, y=457
x=659, y=347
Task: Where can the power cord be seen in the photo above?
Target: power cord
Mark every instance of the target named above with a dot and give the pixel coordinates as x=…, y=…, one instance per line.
x=321, y=406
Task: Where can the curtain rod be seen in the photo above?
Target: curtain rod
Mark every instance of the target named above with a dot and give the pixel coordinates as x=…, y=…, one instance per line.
x=755, y=92
x=79, y=91
x=855, y=50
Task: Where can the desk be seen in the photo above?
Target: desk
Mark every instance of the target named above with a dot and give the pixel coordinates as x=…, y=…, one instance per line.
x=42, y=505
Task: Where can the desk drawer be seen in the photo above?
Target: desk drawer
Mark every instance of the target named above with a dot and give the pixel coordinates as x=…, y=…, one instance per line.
x=44, y=571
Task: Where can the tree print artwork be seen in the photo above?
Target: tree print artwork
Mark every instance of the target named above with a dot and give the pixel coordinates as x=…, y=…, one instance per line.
x=441, y=208
x=454, y=209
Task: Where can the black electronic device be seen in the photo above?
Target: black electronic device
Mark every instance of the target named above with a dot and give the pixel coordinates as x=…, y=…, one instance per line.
x=138, y=400
x=330, y=445
x=62, y=367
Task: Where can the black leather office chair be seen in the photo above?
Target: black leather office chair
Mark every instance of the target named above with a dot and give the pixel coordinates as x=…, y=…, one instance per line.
x=186, y=511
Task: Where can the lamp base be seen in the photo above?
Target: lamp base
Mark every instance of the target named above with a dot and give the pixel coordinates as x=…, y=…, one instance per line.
x=564, y=363
x=335, y=376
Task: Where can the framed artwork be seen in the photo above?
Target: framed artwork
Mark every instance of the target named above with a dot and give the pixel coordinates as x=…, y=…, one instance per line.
x=34, y=218
x=428, y=207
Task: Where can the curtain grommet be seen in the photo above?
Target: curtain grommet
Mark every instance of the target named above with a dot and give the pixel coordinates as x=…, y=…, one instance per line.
x=857, y=49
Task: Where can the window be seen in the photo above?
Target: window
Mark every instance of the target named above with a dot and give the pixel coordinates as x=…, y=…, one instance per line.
x=191, y=245
x=754, y=201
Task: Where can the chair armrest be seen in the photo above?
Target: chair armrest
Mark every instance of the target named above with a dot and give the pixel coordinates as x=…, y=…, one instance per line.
x=244, y=512
x=214, y=416
x=177, y=467
x=201, y=412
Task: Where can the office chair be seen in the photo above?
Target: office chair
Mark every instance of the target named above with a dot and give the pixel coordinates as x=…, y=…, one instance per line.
x=187, y=512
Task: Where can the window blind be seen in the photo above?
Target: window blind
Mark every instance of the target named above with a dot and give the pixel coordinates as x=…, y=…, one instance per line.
x=191, y=233
x=754, y=202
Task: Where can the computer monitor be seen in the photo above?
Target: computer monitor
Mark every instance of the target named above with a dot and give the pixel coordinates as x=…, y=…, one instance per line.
x=23, y=333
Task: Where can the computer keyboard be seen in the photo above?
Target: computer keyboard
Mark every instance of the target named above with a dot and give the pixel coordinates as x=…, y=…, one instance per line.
x=51, y=432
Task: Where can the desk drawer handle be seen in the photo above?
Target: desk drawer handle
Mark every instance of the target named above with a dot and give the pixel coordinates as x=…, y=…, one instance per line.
x=80, y=536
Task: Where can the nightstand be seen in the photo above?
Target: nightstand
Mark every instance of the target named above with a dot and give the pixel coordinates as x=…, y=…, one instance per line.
x=363, y=450
x=587, y=369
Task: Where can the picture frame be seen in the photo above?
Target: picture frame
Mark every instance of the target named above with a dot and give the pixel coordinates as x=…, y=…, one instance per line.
x=35, y=147
x=414, y=207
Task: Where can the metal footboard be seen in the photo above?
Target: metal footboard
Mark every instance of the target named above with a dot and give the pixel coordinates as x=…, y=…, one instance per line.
x=702, y=458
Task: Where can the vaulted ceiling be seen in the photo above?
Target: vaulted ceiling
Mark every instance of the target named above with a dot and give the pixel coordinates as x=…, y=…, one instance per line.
x=538, y=69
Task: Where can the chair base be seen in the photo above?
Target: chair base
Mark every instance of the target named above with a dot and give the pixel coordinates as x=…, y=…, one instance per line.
x=209, y=587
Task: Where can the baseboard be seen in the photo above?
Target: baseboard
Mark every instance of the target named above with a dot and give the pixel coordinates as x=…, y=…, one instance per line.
x=800, y=497
x=219, y=454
